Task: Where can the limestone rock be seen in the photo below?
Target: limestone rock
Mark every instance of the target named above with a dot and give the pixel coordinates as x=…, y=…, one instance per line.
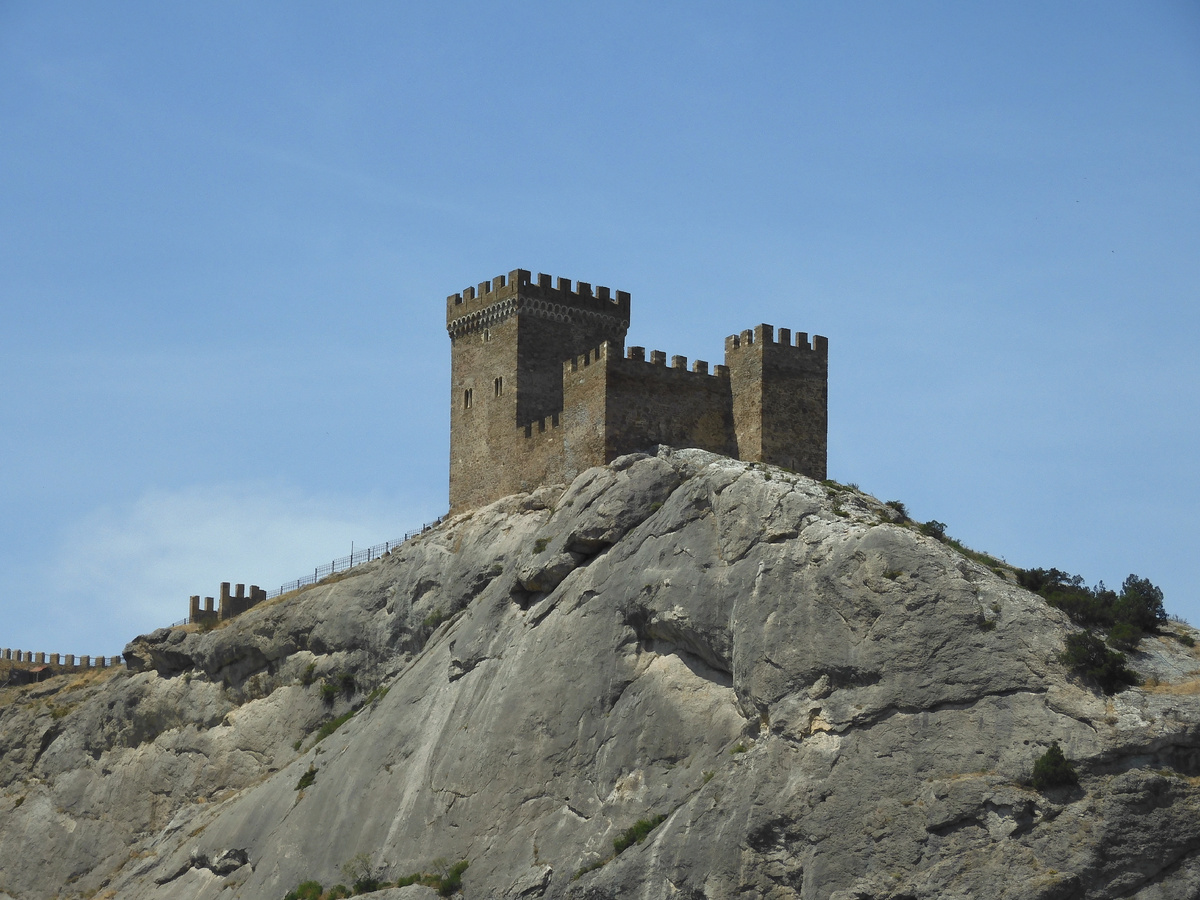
x=809, y=698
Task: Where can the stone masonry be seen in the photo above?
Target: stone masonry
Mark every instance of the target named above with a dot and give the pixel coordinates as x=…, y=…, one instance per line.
x=231, y=604
x=542, y=388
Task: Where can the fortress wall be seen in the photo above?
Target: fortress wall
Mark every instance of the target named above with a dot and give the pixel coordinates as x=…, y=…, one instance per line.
x=586, y=396
x=652, y=403
x=239, y=602
x=198, y=613
x=489, y=422
x=540, y=458
x=57, y=662
x=544, y=342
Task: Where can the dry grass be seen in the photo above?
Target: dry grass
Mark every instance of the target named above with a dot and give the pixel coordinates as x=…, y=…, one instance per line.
x=67, y=681
x=1179, y=688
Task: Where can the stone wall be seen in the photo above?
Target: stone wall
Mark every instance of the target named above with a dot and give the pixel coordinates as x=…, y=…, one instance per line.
x=67, y=661
x=232, y=603
x=649, y=402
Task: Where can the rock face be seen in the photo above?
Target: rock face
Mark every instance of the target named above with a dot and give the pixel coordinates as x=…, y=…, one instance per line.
x=817, y=700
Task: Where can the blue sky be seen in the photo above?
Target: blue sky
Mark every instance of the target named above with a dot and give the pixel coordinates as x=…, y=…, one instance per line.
x=227, y=231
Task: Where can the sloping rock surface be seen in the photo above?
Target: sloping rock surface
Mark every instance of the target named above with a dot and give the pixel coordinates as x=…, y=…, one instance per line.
x=817, y=700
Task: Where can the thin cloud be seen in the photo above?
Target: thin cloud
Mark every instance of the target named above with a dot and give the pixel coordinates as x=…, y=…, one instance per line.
x=139, y=562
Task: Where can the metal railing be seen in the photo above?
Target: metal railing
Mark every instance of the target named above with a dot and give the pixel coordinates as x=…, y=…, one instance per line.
x=356, y=558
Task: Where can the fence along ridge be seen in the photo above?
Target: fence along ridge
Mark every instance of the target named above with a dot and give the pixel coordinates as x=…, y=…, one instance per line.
x=356, y=558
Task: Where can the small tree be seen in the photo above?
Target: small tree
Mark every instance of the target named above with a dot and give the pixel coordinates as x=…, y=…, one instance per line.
x=934, y=529
x=1086, y=655
x=1124, y=636
x=360, y=872
x=1141, y=604
x=1053, y=769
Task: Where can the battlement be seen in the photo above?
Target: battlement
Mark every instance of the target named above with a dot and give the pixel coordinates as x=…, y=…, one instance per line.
x=764, y=334
x=490, y=302
x=232, y=603
x=56, y=662
x=575, y=363
x=542, y=425
x=679, y=364
x=658, y=359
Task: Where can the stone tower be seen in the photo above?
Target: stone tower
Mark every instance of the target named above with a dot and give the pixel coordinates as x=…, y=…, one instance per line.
x=780, y=396
x=509, y=339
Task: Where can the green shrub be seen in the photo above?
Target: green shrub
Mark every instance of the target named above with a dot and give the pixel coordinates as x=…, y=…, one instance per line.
x=434, y=619
x=450, y=882
x=1086, y=655
x=1124, y=636
x=378, y=694
x=333, y=725
x=329, y=691
x=636, y=833
x=899, y=508
x=357, y=868
x=446, y=880
x=305, y=780
x=1053, y=769
x=366, y=886
x=934, y=529
x=590, y=867
x=1139, y=605
x=345, y=681
x=307, y=678
x=540, y=544
x=309, y=890
x=1186, y=639
x=338, y=892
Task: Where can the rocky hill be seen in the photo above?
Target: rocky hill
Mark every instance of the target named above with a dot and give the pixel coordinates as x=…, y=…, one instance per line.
x=796, y=694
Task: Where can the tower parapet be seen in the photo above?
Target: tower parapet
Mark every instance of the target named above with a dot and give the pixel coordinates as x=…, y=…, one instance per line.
x=491, y=302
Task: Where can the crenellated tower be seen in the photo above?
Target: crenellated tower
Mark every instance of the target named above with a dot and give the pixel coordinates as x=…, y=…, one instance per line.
x=780, y=398
x=509, y=338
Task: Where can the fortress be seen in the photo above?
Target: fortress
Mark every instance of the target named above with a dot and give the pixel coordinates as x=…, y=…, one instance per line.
x=542, y=388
